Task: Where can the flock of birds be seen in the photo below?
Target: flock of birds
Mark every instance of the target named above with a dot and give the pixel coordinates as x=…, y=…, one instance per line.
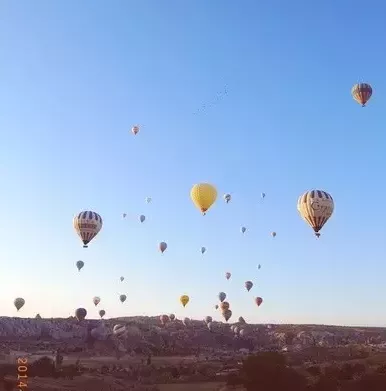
x=314, y=206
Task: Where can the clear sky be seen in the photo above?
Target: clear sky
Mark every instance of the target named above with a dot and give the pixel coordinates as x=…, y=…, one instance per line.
x=76, y=75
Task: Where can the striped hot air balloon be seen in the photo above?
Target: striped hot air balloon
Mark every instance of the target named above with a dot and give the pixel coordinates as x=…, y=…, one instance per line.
x=316, y=207
x=362, y=92
x=87, y=224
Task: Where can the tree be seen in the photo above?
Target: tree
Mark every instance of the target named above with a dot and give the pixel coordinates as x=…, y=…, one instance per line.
x=268, y=371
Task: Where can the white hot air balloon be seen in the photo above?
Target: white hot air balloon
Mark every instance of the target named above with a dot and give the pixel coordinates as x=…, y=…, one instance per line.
x=87, y=224
x=316, y=207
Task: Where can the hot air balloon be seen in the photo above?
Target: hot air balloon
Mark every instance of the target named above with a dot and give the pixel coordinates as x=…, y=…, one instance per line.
x=203, y=249
x=203, y=196
x=227, y=197
x=243, y=229
x=248, y=285
x=228, y=275
x=186, y=322
x=208, y=319
x=362, y=93
x=79, y=265
x=316, y=207
x=124, y=215
x=172, y=317
x=222, y=296
x=122, y=298
x=216, y=306
x=87, y=224
x=135, y=129
x=224, y=306
x=162, y=246
x=96, y=300
x=273, y=234
x=148, y=200
x=259, y=266
x=164, y=319
x=142, y=218
x=227, y=314
x=184, y=299
x=18, y=303
x=120, y=331
x=122, y=278
x=102, y=313
x=262, y=195
x=80, y=314
x=258, y=301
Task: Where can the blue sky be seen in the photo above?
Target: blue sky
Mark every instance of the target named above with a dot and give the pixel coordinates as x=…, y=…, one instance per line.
x=75, y=76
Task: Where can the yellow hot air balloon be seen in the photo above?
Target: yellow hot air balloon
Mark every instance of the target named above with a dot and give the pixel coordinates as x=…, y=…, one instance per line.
x=203, y=196
x=184, y=299
x=316, y=207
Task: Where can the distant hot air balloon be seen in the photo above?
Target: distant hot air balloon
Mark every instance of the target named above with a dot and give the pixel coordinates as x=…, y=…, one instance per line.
x=262, y=195
x=142, y=218
x=258, y=301
x=248, y=285
x=122, y=298
x=135, y=129
x=172, y=317
x=362, y=93
x=102, y=313
x=243, y=229
x=228, y=275
x=273, y=234
x=259, y=266
x=148, y=200
x=124, y=215
x=120, y=331
x=79, y=265
x=227, y=314
x=208, y=319
x=80, y=313
x=316, y=207
x=203, y=196
x=18, y=303
x=87, y=224
x=164, y=319
x=186, y=321
x=203, y=250
x=224, y=306
x=222, y=296
x=96, y=300
x=227, y=197
x=122, y=278
x=162, y=246
x=184, y=299
x=216, y=306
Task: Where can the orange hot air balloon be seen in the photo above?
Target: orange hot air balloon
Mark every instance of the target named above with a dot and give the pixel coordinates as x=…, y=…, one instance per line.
x=224, y=306
x=362, y=92
x=258, y=301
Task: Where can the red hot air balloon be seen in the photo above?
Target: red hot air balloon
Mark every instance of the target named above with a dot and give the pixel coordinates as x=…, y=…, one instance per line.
x=258, y=301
